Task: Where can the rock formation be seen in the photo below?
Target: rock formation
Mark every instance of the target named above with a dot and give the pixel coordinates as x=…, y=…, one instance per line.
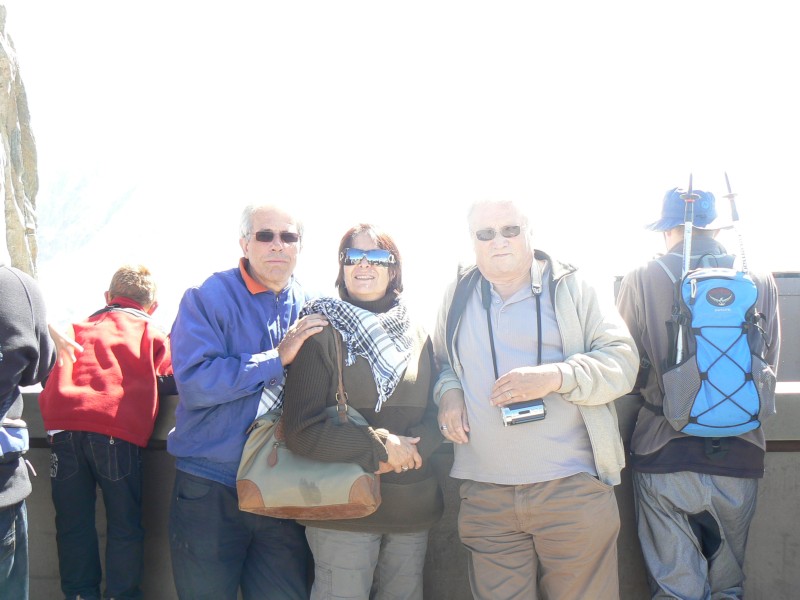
x=19, y=181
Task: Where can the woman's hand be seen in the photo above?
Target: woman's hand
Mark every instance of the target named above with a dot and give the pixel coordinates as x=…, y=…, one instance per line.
x=403, y=454
x=384, y=467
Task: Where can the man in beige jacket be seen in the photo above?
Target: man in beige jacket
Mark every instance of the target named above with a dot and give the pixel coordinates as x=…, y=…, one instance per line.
x=523, y=332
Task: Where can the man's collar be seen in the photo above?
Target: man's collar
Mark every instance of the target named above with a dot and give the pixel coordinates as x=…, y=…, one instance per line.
x=125, y=302
x=253, y=286
x=558, y=269
x=700, y=245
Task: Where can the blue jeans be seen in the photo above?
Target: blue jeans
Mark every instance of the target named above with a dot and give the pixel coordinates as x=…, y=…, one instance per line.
x=79, y=462
x=14, y=552
x=216, y=548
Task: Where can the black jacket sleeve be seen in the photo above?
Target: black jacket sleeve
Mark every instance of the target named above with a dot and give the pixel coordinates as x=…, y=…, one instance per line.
x=27, y=352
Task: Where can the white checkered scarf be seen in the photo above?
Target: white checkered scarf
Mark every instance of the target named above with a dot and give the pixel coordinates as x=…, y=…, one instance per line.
x=381, y=338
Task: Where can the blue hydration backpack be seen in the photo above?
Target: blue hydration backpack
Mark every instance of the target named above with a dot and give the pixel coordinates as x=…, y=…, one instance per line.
x=723, y=387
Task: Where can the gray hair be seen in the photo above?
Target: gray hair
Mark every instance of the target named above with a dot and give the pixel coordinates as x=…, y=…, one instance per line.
x=246, y=220
x=489, y=202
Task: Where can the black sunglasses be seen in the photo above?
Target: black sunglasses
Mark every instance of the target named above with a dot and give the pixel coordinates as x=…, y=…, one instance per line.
x=509, y=231
x=267, y=235
x=378, y=257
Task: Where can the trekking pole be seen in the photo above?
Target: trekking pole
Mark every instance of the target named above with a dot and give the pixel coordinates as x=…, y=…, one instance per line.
x=688, y=222
x=735, y=218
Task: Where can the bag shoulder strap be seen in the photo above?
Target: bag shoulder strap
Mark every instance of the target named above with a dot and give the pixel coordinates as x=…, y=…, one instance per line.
x=341, y=394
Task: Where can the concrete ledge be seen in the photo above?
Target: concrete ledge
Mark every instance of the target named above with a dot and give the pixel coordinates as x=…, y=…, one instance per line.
x=784, y=426
x=772, y=560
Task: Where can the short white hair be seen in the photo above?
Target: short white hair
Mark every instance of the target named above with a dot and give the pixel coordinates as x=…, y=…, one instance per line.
x=493, y=202
x=246, y=220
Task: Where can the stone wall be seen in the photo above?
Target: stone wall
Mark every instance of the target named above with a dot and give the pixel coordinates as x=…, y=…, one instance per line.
x=19, y=181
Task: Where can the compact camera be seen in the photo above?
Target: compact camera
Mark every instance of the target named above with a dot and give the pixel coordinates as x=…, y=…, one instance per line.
x=523, y=412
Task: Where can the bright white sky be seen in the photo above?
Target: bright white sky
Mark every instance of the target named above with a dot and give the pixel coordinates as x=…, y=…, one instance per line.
x=403, y=113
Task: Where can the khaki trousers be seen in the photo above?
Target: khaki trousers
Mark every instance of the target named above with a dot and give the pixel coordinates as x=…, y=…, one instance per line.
x=561, y=534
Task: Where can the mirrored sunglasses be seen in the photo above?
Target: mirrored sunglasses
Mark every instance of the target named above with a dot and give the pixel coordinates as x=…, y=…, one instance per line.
x=509, y=231
x=377, y=257
x=267, y=235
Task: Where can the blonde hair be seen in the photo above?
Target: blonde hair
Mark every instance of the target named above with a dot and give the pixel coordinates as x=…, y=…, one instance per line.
x=134, y=282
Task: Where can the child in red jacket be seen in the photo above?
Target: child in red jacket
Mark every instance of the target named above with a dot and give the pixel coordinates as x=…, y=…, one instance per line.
x=99, y=412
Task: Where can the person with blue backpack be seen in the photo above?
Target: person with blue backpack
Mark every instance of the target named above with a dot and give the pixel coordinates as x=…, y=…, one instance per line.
x=708, y=335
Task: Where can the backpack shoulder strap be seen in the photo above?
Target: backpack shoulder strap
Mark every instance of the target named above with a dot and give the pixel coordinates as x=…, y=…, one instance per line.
x=467, y=280
x=667, y=270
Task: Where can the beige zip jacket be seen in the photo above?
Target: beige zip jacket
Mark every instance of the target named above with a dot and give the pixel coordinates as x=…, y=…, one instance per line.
x=601, y=364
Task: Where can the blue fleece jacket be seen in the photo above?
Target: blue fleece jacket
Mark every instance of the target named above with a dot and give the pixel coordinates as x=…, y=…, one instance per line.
x=224, y=351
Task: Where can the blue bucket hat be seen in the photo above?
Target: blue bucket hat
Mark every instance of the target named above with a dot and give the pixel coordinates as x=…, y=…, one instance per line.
x=672, y=211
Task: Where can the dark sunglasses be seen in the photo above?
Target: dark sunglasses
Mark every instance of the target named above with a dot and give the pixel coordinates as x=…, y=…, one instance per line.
x=267, y=235
x=508, y=231
x=378, y=257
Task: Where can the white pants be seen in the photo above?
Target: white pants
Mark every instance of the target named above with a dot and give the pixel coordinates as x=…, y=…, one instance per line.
x=367, y=565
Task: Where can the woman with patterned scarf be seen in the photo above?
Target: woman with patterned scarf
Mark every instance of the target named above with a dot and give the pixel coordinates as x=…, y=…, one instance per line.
x=388, y=375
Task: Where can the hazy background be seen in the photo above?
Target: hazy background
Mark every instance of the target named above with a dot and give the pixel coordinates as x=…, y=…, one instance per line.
x=156, y=122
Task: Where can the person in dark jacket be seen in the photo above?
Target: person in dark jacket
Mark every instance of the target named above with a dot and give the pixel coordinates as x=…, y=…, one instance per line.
x=27, y=354
x=388, y=378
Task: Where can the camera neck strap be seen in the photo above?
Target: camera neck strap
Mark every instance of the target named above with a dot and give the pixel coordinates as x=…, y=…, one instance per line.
x=486, y=294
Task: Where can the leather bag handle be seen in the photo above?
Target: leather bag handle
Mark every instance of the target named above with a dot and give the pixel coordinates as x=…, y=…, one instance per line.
x=341, y=394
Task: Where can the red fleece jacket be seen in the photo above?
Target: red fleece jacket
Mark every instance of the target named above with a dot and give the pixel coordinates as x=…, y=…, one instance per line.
x=112, y=388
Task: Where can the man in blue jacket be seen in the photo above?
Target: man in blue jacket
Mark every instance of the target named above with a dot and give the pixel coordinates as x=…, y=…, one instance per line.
x=231, y=341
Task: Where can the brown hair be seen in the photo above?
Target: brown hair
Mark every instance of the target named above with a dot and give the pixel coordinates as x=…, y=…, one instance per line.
x=134, y=282
x=384, y=241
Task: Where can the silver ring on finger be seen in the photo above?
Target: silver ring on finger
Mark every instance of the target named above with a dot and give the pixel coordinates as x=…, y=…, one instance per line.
x=404, y=468
x=443, y=427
